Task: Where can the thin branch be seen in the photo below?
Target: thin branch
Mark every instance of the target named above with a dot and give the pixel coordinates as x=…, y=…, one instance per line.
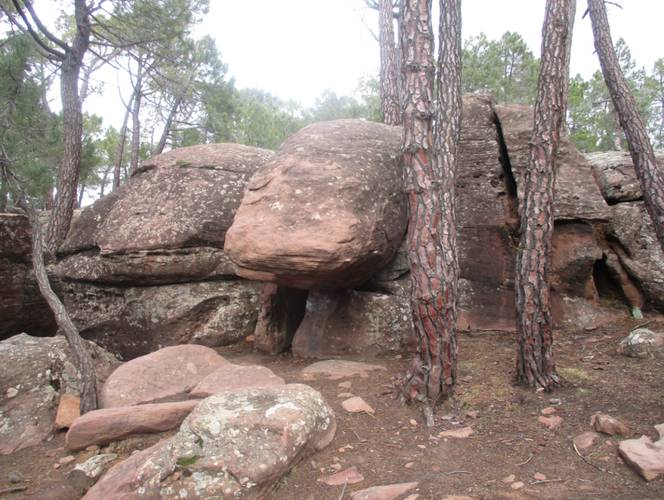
x=35, y=36
x=42, y=28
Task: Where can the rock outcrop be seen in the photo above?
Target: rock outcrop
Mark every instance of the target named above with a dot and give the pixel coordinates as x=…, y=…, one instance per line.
x=233, y=445
x=145, y=267
x=327, y=212
x=22, y=308
x=34, y=371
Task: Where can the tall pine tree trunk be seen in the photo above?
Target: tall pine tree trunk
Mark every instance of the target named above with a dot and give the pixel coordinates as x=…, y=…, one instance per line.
x=651, y=177
x=429, y=181
x=122, y=140
x=135, y=118
x=535, y=364
x=72, y=130
x=389, y=87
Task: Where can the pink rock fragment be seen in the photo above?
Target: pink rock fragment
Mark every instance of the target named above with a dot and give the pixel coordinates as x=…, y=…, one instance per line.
x=346, y=476
x=386, y=492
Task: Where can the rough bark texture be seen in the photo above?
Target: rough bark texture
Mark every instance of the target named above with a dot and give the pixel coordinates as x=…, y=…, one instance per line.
x=389, y=88
x=650, y=176
x=430, y=187
x=72, y=128
x=535, y=364
x=84, y=361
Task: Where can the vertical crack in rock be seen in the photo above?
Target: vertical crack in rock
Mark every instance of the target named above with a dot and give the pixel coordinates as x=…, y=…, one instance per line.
x=512, y=202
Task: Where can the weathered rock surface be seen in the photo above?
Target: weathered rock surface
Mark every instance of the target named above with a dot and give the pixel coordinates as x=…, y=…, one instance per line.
x=607, y=424
x=233, y=445
x=137, y=320
x=642, y=343
x=168, y=223
x=638, y=249
x=615, y=175
x=111, y=424
x=585, y=440
x=327, y=211
x=69, y=409
x=385, y=492
x=165, y=375
x=22, y=308
x=32, y=371
x=645, y=456
x=235, y=377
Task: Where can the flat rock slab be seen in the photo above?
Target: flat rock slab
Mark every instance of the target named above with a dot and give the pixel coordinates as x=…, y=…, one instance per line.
x=336, y=369
x=110, y=424
x=165, y=375
x=233, y=445
x=386, y=492
x=234, y=377
x=356, y=404
x=645, y=456
x=346, y=476
x=461, y=433
x=585, y=440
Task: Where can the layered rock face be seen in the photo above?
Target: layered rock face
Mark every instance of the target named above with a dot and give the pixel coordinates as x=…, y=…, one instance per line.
x=22, y=308
x=144, y=267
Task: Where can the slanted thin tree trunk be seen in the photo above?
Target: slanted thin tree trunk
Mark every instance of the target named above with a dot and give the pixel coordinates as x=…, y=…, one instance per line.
x=389, y=87
x=122, y=140
x=169, y=123
x=135, y=118
x=535, y=363
x=84, y=361
x=72, y=127
x=651, y=177
x=430, y=173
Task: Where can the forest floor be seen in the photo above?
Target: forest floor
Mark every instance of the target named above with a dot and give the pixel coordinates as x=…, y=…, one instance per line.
x=394, y=446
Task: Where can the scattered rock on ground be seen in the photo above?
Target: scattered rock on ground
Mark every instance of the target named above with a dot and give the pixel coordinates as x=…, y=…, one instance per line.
x=234, y=444
x=549, y=410
x=517, y=485
x=585, y=440
x=357, y=405
x=538, y=476
x=645, y=456
x=552, y=422
x=642, y=343
x=69, y=409
x=461, y=433
x=386, y=492
x=165, y=375
x=606, y=424
x=234, y=377
x=339, y=368
x=110, y=424
x=346, y=476
x=30, y=369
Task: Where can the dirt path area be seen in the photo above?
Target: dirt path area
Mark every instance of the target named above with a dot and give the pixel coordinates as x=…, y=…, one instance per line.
x=507, y=440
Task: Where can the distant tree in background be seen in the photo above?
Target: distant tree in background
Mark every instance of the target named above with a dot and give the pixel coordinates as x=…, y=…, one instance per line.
x=650, y=175
x=535, y=365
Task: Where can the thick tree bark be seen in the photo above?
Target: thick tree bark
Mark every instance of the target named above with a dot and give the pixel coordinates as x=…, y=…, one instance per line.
x=135, y=118
x=72, y=128
x=535, y=364
x=650, y=176
x=389, y=87
x=82, y=357
x=430, y=173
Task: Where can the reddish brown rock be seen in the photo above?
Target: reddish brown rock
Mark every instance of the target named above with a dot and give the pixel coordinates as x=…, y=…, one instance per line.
x=346, y=476
x=336, y=369
x=357, y=405
x=22, y=308
x=606, y=424
x=645, y=456
x=551, y=423
x=111, y=424
x=460, y=433
x=326, y=212
x=235, y=377
x=585, y=440
x=69, y=409
x=165, y=375
x=232, y=445
x=386, y=492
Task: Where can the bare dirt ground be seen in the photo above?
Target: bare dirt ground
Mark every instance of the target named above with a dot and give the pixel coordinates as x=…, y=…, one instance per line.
x=394, y=446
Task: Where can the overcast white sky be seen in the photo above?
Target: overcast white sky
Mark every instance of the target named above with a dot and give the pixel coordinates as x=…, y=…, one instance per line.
x=298, y=48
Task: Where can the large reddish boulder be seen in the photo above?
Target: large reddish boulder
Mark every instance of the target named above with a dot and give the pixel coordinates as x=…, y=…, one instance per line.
x=327, y=211
x=168, y=223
